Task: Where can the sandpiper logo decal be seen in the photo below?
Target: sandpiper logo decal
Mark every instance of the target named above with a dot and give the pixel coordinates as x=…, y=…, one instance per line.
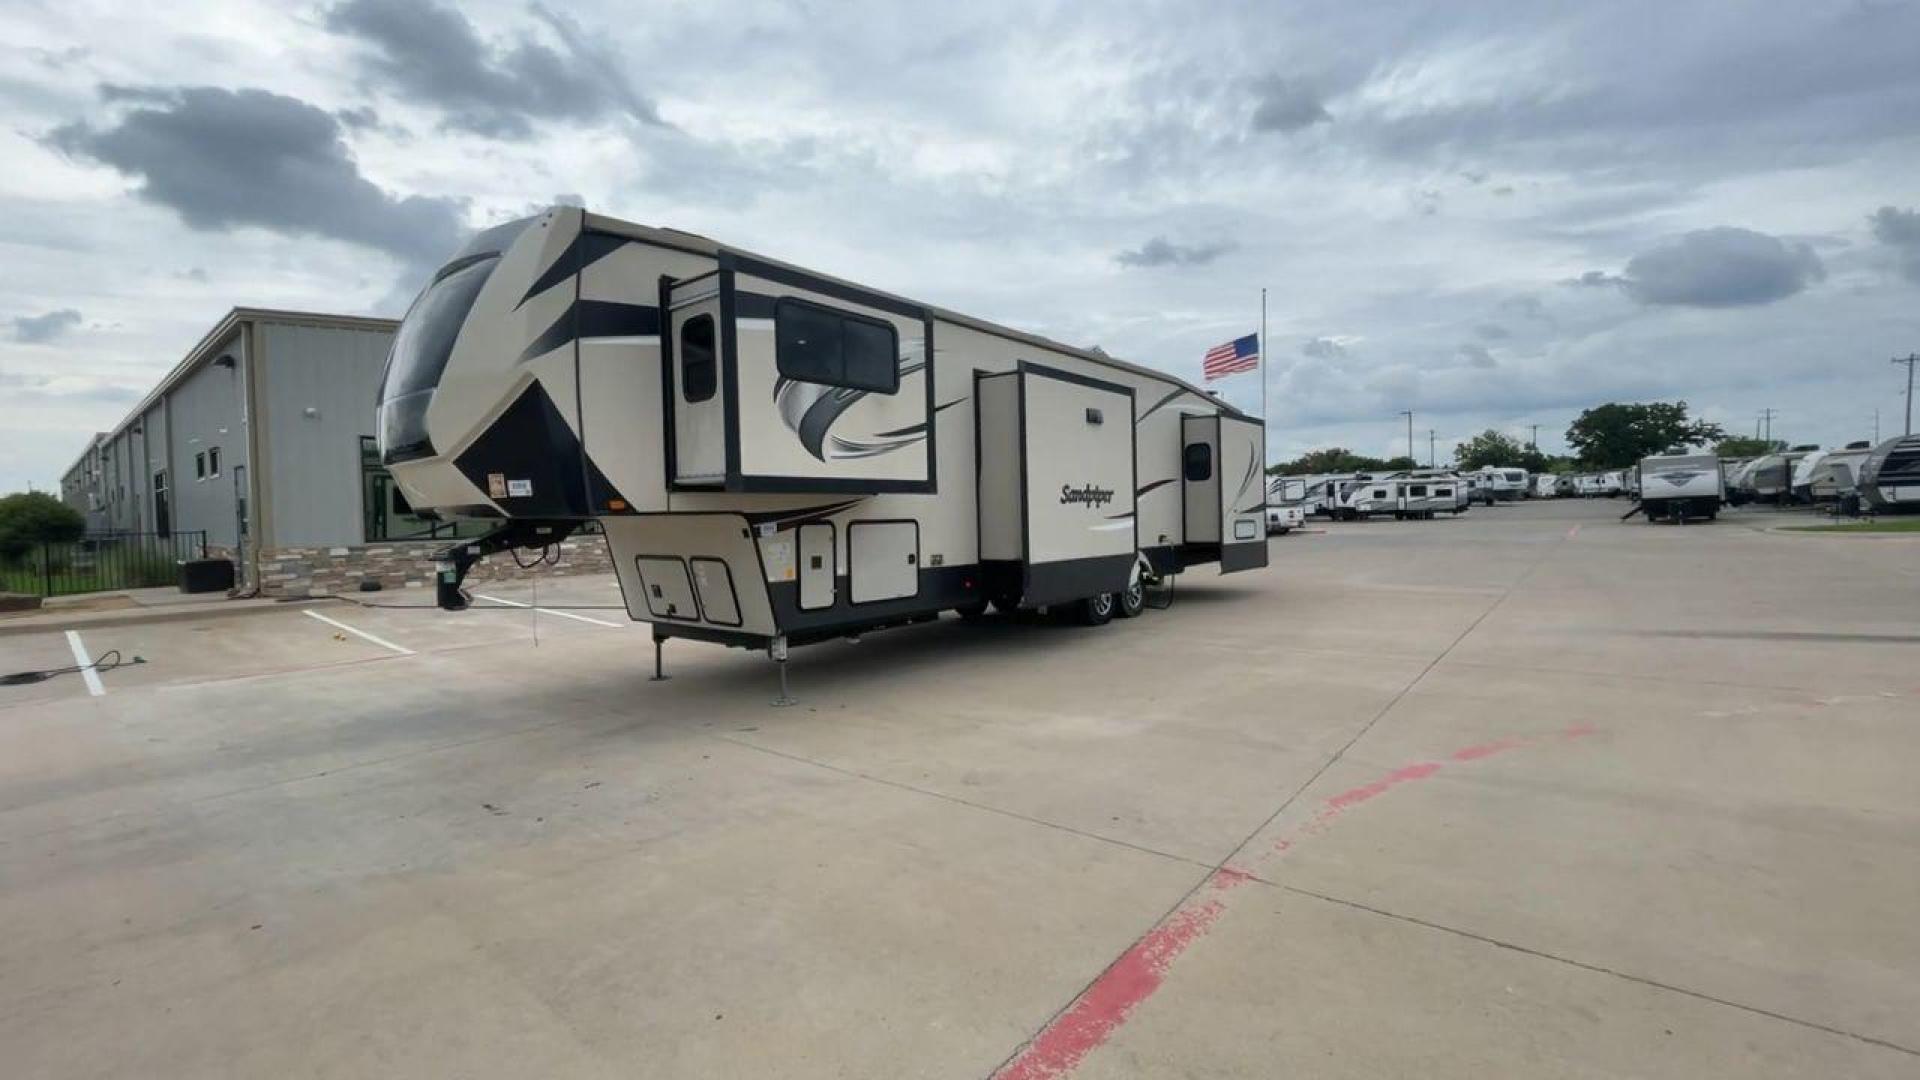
x=1095, y=497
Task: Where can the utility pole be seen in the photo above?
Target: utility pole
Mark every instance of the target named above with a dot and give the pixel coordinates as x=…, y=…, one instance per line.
x=1535, y=441
x=1910, y=359
x=1876, y=427
x=1430, y=442
x=1408, y=413
x=1767, y=415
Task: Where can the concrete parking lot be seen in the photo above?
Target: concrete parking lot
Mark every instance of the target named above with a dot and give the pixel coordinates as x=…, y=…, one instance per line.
x=1527, y=793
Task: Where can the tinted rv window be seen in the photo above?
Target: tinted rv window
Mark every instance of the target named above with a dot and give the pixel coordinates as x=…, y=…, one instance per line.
x=1198, y=462
x=699, y=375
x=820, y=345
x=425, y=340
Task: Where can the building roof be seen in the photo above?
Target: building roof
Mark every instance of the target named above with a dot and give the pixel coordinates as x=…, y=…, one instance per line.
x=215, y=340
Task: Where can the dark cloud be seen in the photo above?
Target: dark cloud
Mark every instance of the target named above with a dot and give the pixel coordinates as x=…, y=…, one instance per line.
x=225, y=159
x=1596, y=279
x=1321, y=348
x=1722, y=267
x=1477, y=355
x=1159, y=251
x=1282, y=104
x=1900, y=230
x=433, y=54
x=1492, y=332
x=37, y=329
x=361, y=118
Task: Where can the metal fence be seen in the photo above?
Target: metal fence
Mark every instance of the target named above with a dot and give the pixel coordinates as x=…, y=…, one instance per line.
x=99, y=563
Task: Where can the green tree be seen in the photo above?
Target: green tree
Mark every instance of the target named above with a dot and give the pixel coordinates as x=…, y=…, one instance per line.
x=1335, y=459
x=1490, y=447
x=1614, y=436
x=1738, y=446
x=35, y=517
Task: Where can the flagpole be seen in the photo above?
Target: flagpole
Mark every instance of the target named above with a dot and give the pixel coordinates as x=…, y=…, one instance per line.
x=1263, y=362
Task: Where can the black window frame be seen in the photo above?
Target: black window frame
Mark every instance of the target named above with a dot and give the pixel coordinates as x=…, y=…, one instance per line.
x=840, y=379
x=213, y=462
x=699, y=379
x=200, y=465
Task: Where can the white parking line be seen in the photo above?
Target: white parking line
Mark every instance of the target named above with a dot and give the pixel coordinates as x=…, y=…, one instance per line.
x=337, y=624
x=547, y=610
x=86, y=664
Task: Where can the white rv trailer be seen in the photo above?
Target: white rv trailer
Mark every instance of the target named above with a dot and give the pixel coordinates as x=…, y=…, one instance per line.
x=1890, y=476
x=1503, y=484
x=1545, y=486
x=1323, y=493
x=1286, y=504
x=1679, y=487
x=1402, y=496
x=1769, y=478
x=776, y=456
x=1838, y=473
x=1462, y=498
x=1800, y=486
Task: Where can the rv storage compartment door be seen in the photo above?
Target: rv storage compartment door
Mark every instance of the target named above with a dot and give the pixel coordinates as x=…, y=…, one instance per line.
x=883, y=560
x=1242, y=468
x=816, y=566
x=1077, y=452
x=698, y=337
x=834, y=385
x=666, y=587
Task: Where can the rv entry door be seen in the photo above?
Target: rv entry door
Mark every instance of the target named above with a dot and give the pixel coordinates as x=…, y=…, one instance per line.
x=700, y=338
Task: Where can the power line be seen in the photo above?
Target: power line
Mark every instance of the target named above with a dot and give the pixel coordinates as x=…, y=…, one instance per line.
x=1767, y=415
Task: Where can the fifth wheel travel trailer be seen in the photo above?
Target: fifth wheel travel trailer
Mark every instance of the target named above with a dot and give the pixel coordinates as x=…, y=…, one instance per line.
x=1680, y=487
x=776, y=456
x=1890, y=476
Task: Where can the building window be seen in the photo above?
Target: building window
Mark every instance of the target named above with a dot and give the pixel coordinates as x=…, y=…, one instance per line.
x=200, y=465
x=699, y=374
x=835, y=348
x=213, y=461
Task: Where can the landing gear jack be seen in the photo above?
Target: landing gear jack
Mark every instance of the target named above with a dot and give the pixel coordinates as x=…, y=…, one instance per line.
x=659, y=665
x=778, y=650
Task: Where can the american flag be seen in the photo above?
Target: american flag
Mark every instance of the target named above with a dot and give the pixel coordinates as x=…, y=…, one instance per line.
x=1231, y=358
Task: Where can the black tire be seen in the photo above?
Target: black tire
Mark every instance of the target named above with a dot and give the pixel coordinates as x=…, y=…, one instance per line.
x=973, y=612
x=1095, y=610
x=1133, y=600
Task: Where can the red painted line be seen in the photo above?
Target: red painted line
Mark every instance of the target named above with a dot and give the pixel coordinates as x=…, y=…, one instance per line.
x=1120, y=989
x=1573, y=532
x=1129, y=981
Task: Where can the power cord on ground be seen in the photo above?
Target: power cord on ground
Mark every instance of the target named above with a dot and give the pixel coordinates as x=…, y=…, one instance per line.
x=107, y=662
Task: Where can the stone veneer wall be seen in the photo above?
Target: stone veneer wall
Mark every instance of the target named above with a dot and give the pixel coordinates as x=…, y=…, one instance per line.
x=407, y=564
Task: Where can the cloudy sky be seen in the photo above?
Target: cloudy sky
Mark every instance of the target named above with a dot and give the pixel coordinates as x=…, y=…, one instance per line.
x=1494, y=215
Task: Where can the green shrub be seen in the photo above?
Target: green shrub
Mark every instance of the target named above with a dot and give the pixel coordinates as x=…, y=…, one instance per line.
x=28, y=518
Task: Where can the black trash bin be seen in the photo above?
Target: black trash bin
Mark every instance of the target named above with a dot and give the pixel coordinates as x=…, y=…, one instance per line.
x=205, y=575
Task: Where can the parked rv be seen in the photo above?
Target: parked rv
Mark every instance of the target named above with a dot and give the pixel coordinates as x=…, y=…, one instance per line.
x=1890, y=475
x=776, y=456
x=1679, y=487
x=1502, y=484
x=1837, y=474
x=1546, y=486
x=1402, y=496
x=1286, y=505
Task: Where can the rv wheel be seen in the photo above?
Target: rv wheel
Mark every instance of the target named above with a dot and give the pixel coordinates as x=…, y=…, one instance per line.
x=973, y=612
x=1096, y=610
x=1134, y=600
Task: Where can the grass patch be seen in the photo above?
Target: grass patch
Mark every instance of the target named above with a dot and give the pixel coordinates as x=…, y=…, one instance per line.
x=1903, y=525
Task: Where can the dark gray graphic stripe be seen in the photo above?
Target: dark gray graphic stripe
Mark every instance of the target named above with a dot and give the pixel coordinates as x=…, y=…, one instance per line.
x=587, y=248
x=593, y=319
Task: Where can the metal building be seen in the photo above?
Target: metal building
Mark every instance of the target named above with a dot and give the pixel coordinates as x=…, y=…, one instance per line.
x=261, y=436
